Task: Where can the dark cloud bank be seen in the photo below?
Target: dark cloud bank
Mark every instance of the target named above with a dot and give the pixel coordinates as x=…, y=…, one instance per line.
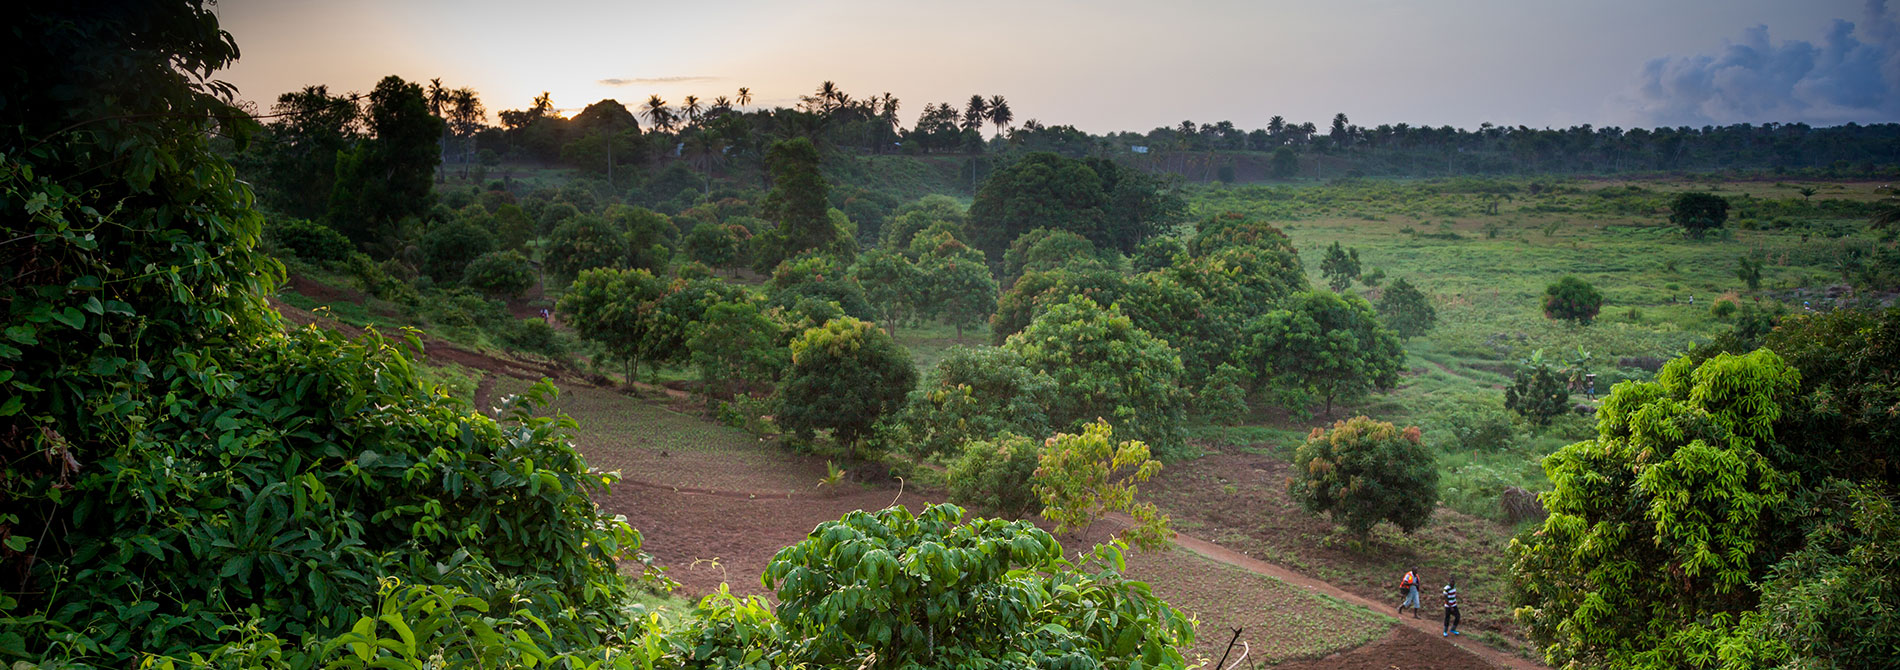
x=1853, y=74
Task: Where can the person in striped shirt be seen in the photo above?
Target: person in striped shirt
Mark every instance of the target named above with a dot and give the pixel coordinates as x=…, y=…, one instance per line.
x=1451, y=608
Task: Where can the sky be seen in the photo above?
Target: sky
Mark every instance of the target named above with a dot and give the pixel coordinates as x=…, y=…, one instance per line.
x=1110, y=65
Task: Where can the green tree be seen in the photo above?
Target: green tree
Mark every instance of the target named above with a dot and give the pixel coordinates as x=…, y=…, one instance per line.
x=513, y=228
x=299, y=149
x=1340, y=267
x=1537, y=392
x=1284, y=164
x=1083, y=477
x=1325, y=344
x=1830, y=604
x=997, y=475
x=932, y=590
x=713, y=244
x=892, y=285
x=650, y=235
x=229, y=481
x=1044, y=249
x=957, y=285
x=845, y=375
x=1106, y=368
x=613, y=307
x=387, y=178
x=584, y=243
x=1361, y=472
x=1037, y=291
x=448, y=248
x=974, y=394
x=1407, y=310
x=1572, y=299
x=1158, y=253
x=1698, y=213
x=798, y=203
x=1110, y=205
x=735, y=342
x=499, y=274
x=1748, y=270
x=1659, y=526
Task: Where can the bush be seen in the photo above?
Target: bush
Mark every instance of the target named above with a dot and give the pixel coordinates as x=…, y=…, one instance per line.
x=1474, y=426
x=1083, y=477
x=1105, y=367
x=501, y=274
x=1572, y=299
x=1407, y=310
x=973, y=395
x=1698, y=213
x=448, y=248
x=584, y=243
x=312, y=242
x=1723, y=309
x=1362, y=472
x=845, y=376
x=1536, y=392
x=995, y=475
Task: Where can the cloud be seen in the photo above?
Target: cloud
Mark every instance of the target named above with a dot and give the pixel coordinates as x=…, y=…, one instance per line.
x=617, y=81
x=1853, y=74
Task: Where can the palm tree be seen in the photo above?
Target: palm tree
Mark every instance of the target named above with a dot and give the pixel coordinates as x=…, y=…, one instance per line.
x=721, y=105
x=1000, y=114
x=691, y=108
x=438, y=97
x=826, y=97
x=745, y=96
x=465, y=118
x=1275, y=126
x=975, y=112
x=658, y=113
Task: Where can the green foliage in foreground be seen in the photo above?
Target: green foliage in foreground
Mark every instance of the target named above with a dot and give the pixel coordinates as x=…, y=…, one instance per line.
x=1362, y=472
x=177, y=471
x=892, y=589
x=1660, y=526
x=1085, y=476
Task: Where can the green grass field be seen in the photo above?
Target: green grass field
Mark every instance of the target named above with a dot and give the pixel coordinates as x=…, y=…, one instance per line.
x=1486, y=273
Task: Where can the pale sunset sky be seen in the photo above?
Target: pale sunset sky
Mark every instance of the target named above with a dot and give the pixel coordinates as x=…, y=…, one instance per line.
x=1110, y=65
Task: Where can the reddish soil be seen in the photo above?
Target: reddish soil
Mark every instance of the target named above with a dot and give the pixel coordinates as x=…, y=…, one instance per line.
x=706, y=538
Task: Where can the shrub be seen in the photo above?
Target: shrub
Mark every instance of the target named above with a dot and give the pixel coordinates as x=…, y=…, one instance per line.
x=975, y=394
x=503, y=274
x=584, y=243
x=1572, y=299
x=1723, y=309
x=1698, y=213
x=1082, y=477
x=1362, y=472
x=1105, y=367
x=312, y=242
x=995, y=475
x=448, y=248
x=1476, y=426
x=1407, y=310
x=1536, y=392
x=933, y=590
x=845, y=376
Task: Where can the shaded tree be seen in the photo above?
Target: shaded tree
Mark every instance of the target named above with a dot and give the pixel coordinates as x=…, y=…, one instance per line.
x=1323, y=343
x=385, y=179
x=845, y=375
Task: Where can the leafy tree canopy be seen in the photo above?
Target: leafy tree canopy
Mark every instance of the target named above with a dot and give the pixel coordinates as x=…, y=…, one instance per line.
x=1106, y=368
x=1361, y=472
x=1100, y=200
x=1572, y=299
x=845, y=375
x=1323, y=343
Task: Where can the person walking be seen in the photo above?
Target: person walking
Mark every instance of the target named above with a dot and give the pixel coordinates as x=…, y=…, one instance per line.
x=1451, y=608
x=1408, y=589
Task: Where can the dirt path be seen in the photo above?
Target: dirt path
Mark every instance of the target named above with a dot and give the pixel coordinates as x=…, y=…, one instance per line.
x=1425, y=625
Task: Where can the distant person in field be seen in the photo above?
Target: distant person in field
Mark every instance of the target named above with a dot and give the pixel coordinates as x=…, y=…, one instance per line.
x=1451, y=608
x=1408, y=589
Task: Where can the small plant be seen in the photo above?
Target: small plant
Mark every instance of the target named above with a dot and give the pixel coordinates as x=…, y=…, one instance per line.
x=834, y=476
x=1634, y=315
x=1572, y=299
x=1723, y=309
x=1536, y=392
x=1082, y=478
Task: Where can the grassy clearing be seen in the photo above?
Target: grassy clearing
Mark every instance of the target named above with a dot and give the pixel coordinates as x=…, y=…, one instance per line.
x=1487, y=273
x=1282, y=622
x=649, y=442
